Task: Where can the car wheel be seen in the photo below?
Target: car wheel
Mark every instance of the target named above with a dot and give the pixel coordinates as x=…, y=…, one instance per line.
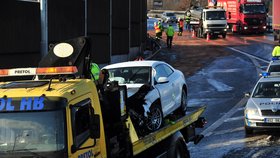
x=155, y=118
x=183, y=107
x=224, y=35
x=184, y=101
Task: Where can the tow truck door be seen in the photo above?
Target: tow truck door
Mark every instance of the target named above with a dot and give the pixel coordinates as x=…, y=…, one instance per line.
x=79, y=142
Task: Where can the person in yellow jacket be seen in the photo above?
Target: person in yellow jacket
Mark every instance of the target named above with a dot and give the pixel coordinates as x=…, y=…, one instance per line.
x=169, y=33
x=276, y=50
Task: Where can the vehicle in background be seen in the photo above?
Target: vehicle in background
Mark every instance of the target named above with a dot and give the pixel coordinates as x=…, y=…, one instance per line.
x=211, y=21
x=269, y=24
x=274, y=66
x=261, y=110
x=168, y=17
x=168, y=90
x=244, y=16
x=276, y=19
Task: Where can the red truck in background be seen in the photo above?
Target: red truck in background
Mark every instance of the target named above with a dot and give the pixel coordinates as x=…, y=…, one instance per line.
x=276, y=19
x=244, y=16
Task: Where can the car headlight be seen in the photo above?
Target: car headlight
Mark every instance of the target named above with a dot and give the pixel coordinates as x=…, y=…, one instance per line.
x=264, y=27
x=245, y=27
x=251, y=112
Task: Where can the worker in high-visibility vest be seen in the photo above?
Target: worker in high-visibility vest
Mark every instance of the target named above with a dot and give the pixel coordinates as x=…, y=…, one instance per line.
x=180, y=26
x=169, y=33
x=157, y=30
x=161, y=28
x=95, y=70
x=276, y=50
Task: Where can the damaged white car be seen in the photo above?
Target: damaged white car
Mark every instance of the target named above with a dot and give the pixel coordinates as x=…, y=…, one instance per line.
x=155, y=89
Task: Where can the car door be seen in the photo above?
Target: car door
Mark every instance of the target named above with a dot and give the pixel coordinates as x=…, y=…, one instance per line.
x=166, y=90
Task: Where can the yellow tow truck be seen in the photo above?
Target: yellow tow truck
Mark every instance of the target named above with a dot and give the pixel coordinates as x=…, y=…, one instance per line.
x=60, y=113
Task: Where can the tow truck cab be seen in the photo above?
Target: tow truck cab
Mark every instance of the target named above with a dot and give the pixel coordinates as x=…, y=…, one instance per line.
x=50, y=118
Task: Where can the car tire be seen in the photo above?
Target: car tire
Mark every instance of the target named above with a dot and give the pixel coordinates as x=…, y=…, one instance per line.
x=183, y=107
x=155, y=118
x=248, y=130
x=224, y=35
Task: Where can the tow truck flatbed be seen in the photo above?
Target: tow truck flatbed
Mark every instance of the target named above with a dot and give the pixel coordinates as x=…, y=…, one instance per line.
x=153, y=138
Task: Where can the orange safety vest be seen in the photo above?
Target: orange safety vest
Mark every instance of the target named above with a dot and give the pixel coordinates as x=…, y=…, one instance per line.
x=157, y=28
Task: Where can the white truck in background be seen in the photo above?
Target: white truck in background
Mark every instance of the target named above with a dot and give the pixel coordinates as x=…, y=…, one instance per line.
x=209, y=21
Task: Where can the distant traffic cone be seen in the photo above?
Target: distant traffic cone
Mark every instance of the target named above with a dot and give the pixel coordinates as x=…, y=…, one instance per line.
x=192, y=33
x=207, y=37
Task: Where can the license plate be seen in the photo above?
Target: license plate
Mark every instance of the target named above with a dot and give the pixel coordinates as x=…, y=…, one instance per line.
x=216, y=32
x=272, y=120
x=255, y=27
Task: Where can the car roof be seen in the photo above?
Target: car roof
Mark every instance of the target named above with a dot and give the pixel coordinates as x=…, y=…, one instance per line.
x=270, y=79
x=145, y=63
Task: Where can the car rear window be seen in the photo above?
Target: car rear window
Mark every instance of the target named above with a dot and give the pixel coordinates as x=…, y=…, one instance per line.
x=24, y=84
x=169, y=14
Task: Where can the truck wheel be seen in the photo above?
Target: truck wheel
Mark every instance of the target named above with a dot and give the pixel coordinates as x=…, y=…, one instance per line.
x=199, y=33
x=248, y=130
x=155, y=118
x=177, y=148
x=204, y=35
x=181, y=150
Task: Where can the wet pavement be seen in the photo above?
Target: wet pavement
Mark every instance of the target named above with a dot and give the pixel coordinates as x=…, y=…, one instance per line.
x=219, y=81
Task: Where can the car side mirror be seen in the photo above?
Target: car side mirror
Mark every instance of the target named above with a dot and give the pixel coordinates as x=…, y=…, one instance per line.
x=162, y=80
x=229, y=15
x=247, y=94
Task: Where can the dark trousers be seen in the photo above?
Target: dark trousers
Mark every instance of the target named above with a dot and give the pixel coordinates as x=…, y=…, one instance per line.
x=169, y=41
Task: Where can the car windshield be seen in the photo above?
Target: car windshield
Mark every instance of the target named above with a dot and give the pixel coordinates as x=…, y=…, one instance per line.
x=32, y=131
x=274, y=68
x=267, y=90
x=131, y=75
x=253, y=8
x=215, y=15
x=170, y=14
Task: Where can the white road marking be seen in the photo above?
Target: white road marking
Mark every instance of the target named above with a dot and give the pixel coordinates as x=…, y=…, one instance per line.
x=234, y=118
x=208, y=131
x=249, y=55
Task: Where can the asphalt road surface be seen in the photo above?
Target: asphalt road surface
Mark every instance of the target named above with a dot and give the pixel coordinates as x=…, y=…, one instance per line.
x=218, y=73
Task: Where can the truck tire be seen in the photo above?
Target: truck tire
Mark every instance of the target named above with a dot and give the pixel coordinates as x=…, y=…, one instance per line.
x=199, y=33
x=181, y=150
x=178, y=147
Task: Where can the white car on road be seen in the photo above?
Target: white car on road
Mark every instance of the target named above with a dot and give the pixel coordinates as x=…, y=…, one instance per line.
x=168, y=17
x=263, y=106
x=168, y=87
